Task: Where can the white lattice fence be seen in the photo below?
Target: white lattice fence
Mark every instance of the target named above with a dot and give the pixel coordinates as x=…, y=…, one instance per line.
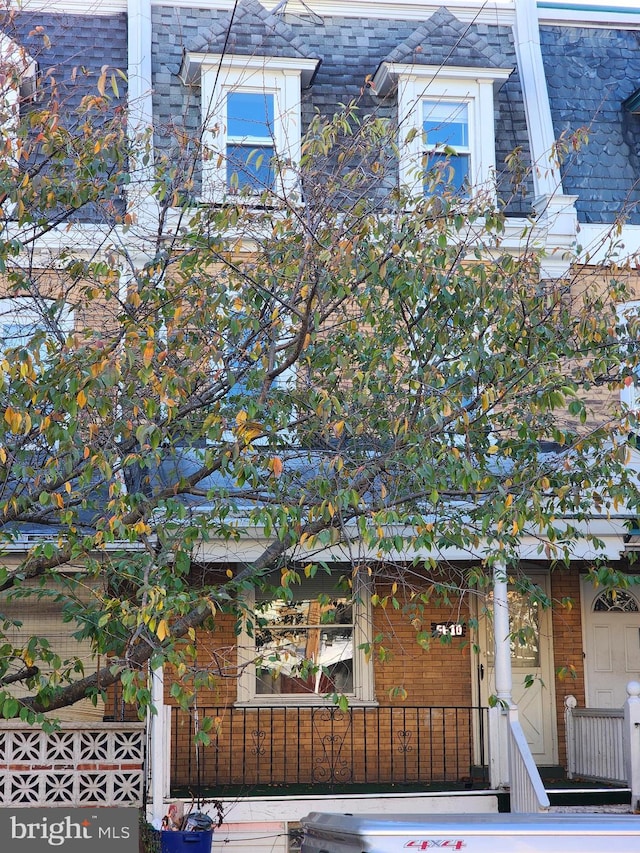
x=101, y=764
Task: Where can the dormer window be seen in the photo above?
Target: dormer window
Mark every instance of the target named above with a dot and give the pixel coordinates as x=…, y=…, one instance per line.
x=252, y=124
x=445, y=120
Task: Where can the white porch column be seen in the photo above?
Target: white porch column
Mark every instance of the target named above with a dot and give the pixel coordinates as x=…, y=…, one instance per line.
x=632, y=742
x=158, y=744
x=499, y=715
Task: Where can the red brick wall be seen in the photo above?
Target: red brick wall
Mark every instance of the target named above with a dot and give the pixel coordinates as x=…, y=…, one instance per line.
x=439, y=675
x=567, y=645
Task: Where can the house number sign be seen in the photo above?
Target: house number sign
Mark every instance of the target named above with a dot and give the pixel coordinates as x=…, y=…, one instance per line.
x=452, y=629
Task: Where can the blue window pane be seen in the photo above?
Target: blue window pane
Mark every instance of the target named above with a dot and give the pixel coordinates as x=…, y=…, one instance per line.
x=250, y=167
x=454, y=169
x=250, y=114
x=446, y=124
x=14, y=334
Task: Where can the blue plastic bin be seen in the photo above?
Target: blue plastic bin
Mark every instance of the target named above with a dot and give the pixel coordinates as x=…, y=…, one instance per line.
x=186, y=842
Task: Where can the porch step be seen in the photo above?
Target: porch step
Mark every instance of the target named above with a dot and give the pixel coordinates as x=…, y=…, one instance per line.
x=590, y=798
x=581, y=793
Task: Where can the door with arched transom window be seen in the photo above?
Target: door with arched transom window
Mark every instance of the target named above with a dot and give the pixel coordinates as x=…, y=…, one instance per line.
x=611, y=620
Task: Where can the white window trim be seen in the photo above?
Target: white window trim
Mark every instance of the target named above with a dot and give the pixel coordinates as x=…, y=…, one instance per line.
x=630, y=394
x=25, y=311
x=20, y=76
x=281, y=76
x=363, y=683
x=473, y=86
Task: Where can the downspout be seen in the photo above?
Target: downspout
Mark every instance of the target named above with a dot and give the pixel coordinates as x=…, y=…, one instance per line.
x=156, y=719
x=140, y=202
x=141, y=206
x=555, y=212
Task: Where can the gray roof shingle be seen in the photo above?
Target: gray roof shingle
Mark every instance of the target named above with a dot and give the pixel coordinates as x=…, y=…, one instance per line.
x=590, y=72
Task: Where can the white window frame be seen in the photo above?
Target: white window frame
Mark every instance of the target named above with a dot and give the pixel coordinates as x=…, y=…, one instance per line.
x=20, y=78
x=363, y=683
x=435, y=149
x=630, y=394
x=474, y=87
x=281, y=76
x=25, y=311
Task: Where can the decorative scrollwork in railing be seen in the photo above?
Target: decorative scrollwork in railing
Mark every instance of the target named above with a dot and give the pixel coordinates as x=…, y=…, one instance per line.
x=404, y=736
x=258, y=736
x=331, y=766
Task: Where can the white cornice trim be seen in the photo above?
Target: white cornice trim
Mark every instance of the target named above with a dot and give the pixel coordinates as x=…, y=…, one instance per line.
x=596, y=18
x=76, y=7
x=194, y=61
x=500, y=12
x=389, y=72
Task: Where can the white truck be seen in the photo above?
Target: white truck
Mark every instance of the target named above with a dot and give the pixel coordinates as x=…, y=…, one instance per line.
x=479, y=833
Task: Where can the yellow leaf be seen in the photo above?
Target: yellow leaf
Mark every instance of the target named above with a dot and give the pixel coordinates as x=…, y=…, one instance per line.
x=13, y=419
x=102, y=81
x=162, y=630
x=81, y=398
x=493, y=449
x=3, y=455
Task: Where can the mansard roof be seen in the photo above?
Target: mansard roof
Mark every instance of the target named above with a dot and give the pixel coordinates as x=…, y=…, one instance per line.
x=444, y=40
x=251, y=30
x=591, y=73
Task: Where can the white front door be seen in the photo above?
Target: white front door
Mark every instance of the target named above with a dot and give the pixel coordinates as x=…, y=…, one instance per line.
x=532, y=668
x=611, y=622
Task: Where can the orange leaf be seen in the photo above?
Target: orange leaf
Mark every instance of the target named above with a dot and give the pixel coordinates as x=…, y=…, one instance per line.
x=147, y=355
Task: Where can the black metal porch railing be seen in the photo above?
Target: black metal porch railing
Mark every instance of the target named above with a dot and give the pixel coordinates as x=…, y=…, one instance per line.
x=286, y=747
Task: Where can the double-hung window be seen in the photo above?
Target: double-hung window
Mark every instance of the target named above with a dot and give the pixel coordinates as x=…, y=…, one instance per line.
x=445, y=123
x=307, y=646
x=250, y=141
x=447, y=153
x=251, y=121
x=628, y=330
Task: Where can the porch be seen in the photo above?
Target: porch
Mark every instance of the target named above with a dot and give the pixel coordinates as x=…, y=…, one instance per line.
x=258, y=751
